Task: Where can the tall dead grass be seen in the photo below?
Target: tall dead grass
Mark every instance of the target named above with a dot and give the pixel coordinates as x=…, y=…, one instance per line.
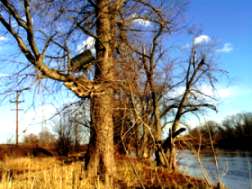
x=47, y=173
x=41, y=173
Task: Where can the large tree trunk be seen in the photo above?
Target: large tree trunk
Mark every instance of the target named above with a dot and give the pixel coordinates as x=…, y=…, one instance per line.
x=102, y=161
x=101, y=149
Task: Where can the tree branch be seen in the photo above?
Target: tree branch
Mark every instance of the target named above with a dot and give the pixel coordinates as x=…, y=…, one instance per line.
x=29, y=29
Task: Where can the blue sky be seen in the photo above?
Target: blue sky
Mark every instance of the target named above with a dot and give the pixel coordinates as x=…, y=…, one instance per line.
x=228, y=22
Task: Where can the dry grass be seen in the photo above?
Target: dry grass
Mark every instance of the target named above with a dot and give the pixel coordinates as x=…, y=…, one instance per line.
x=39, y=173
x=46, y=173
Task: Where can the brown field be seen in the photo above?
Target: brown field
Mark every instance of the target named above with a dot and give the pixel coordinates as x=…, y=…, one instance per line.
x=22, y=168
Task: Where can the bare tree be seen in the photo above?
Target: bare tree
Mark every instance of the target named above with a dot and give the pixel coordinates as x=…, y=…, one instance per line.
x=48, y=44
x=46, y=138
x=200, y=70
x=72, y=126
x=158, y=104
x=31, y=139
x=19, y=18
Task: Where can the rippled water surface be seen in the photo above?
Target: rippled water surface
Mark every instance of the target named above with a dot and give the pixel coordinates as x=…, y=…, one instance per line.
x=233, y=168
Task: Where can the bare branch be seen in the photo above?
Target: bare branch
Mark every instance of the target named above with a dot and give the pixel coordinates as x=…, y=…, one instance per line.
x=29, y=29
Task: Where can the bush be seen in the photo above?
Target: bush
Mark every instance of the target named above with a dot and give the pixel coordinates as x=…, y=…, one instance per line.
x=44, y=138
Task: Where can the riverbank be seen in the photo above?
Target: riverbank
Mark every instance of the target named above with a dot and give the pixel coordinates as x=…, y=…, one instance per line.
x=49, y=172
x=43, y=172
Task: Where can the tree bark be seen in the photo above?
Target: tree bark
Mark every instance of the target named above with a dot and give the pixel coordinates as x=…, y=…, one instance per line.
x=101, y=150
x=102, y=161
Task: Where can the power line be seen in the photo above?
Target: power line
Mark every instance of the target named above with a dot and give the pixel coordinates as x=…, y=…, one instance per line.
x=17, y=102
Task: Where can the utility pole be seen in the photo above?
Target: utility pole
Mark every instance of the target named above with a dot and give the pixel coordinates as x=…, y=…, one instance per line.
x=17, y=101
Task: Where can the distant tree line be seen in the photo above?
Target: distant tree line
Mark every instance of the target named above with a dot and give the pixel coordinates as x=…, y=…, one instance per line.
x=70, y=130
x=44, y=138
x=234, y=133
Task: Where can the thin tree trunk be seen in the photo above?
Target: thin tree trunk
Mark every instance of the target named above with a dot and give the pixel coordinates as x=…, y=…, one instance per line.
x=160, y=155
x=172, y=152
x=145, y=147
x=190, y=79
x=149, y=71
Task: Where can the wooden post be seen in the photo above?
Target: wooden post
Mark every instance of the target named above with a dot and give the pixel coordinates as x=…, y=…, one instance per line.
x=17, y=110
x=17, y=101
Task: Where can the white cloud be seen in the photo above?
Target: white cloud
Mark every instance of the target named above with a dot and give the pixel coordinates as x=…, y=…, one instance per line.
x=193, y=122
x=4, y=75
x=176, y=92
x=207, y=90
x=34, y=119
x=227, y=47
x=186, y=46
x=89, y=43
x=3, y=38
x=140, y=21
x=222, y=93
x=201, y=39
x=226, y=92
x=218, y=93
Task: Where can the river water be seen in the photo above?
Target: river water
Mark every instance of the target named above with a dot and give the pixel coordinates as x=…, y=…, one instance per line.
x=234, y=169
